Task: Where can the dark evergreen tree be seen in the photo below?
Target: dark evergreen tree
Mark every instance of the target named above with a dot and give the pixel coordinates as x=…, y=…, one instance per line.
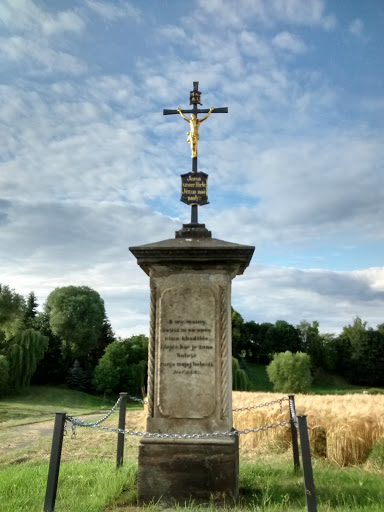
x=254, y=347
x=76, y=378
x=239, y=336
x=349, y=347
x=371, y=361
x=106, y=337
x=30, y=311
x=360, y=353
x=267, y=339
x=312, y=344
x=286, y=337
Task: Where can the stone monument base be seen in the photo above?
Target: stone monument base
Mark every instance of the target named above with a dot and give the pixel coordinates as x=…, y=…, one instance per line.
x=180, y=470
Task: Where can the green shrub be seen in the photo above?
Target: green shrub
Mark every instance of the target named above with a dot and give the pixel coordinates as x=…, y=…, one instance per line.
x=376, y=455
x=123, y=366
x=240, y=381
x=374, y=391
x=290, y=373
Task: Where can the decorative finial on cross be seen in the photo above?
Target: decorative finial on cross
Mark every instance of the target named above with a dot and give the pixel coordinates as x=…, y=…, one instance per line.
x=195, y=195
x=195, y=95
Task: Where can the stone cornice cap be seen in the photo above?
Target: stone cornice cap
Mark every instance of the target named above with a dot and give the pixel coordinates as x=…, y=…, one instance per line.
x=196, y=251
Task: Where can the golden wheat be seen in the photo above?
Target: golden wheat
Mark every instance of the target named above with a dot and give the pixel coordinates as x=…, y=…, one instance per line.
x=342, y=427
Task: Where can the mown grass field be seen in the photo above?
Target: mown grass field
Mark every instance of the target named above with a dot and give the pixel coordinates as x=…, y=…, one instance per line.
x=39, y=403
x=324, y=384
x=89, y=481
x=267, y=484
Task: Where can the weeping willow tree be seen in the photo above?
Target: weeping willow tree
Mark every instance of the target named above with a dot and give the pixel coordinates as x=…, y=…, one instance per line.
x=4, y=374
x=24, y=352
x=240, y=381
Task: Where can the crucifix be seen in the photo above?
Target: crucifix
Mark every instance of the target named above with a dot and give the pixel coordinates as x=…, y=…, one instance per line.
x=195, y=195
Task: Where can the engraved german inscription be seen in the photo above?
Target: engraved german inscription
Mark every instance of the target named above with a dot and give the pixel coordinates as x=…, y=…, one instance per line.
x=194, y=188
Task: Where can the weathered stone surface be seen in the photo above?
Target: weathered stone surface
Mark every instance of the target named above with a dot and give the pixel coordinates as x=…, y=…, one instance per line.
x=188, y=352
x=178, y=471
x=195, y=250
x=193, y=231
x=189, y=366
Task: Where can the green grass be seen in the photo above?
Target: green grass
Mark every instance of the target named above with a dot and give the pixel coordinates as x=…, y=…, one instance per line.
x=265, y=485
x=83, y=487
x=258, y=378
x=273, y=483
x=40, y=403
x=89, y=481
x=326, y=384
x=376, y=455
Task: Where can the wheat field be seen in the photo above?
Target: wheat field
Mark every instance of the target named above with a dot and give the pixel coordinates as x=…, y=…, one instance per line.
x=341, y=427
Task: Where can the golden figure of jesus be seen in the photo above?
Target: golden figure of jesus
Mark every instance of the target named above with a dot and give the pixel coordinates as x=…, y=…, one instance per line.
x=193, y=134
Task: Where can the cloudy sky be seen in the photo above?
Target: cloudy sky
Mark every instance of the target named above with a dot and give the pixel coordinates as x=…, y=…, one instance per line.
x=89, y=165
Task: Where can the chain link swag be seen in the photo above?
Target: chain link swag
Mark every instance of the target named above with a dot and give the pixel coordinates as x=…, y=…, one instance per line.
x=76, y=422
x=279, y=401
x=158, y=435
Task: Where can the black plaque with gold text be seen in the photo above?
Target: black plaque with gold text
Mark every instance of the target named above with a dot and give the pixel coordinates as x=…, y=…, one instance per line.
x=194, y=188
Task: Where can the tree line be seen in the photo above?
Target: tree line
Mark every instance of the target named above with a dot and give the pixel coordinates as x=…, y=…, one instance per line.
x=71, y=341
x=357, y=353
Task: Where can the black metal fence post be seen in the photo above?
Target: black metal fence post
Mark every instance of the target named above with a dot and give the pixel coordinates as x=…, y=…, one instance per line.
x=120, y=436
x=309, y=484
x=295, y=444
x=54, y=463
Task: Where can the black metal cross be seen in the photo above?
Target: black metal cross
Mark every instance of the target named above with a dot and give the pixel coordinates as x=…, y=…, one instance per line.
x=194, y=100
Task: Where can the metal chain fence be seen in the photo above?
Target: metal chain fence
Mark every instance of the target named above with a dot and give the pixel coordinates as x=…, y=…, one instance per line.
x=76, y=422
x=62, y=420
x=158, y=435
x=84, y=423
x=279, y=401
x=139, y=400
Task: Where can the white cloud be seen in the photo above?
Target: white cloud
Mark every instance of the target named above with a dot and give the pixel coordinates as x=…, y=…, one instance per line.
x=114, y=11
x=297, y=188
x=33, y=38
x=27, y=16
x=173, y=33
x=254, y=45
x=302, y=12
x=89, y=165
x=356, y=28
x=81, y=243
x=38, y=57
x=268, y=294
x=268, y=12
x=290, y=42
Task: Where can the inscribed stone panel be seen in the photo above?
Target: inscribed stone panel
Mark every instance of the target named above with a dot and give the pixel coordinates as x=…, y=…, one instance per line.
x=187, y=355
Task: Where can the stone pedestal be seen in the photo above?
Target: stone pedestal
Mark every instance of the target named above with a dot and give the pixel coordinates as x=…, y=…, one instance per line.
x=189, y=367
x=178, y=471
